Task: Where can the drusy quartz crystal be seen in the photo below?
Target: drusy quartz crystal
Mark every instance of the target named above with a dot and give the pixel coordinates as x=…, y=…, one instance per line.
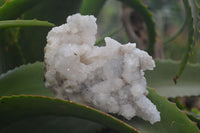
x=108, y=78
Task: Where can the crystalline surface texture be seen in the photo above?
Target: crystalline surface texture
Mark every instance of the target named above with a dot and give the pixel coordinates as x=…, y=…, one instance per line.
x=109, y=78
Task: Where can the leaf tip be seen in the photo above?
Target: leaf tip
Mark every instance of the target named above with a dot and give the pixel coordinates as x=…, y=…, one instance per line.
x=175, y=79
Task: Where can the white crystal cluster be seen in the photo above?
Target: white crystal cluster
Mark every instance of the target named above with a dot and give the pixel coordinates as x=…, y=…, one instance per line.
x=109, y=78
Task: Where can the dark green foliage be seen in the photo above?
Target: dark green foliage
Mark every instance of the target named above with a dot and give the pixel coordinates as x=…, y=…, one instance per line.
x=27, y=79
x=33, y=42
x=12, y=9
x=33, y=106
x=28, y=45
x=11, y=53
x=91, y=7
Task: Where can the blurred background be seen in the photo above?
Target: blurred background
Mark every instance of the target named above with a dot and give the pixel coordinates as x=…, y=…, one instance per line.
x=168, y=16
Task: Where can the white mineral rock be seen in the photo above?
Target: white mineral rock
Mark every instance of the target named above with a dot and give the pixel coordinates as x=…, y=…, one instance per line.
x=109, y=78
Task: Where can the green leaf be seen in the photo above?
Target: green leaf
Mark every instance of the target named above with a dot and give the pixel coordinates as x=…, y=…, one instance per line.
x=27, y=79
x=161, y=78
x=24, y=23
x=91, y=7
x=15, y=108
x=52, y=124
x=195, y=7
x=190, y=42
x=98, y=42
x=2, y=2
x=10, y=50
x=11, y=9
x=147, y=17
x=194, y=117
x=32, y=40
x=26, y=44
x=196, y=112
x=193, y=114
x=172, y=119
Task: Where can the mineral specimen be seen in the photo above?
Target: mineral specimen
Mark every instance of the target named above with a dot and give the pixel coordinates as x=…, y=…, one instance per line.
x=108, y=78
